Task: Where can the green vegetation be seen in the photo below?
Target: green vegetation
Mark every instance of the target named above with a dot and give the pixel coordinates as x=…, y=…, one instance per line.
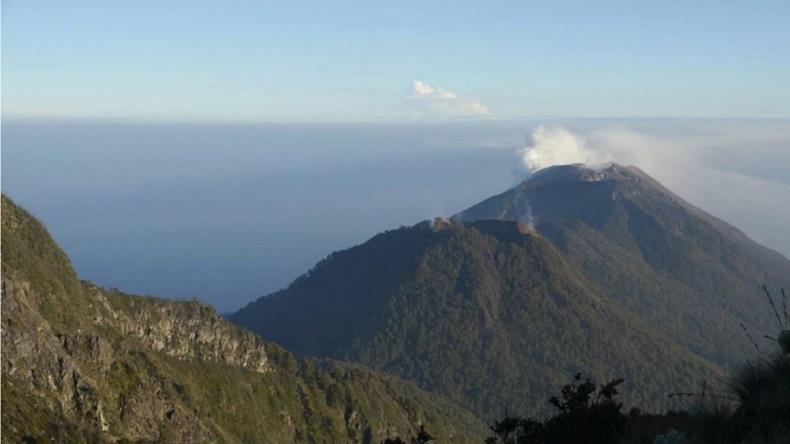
x=760, y=414
x=28, y=249
x=581, y=418
x=684, y=272
x=30, y=419
x=755, y=408
x=82, y=364
x=485, y=314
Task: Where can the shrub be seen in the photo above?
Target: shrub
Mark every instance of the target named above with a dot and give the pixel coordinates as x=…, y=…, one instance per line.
x=584, y=416
x=763, y=388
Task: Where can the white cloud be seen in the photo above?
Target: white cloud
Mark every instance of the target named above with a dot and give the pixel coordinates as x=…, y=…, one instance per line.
x=422, y=89
x=440, y=102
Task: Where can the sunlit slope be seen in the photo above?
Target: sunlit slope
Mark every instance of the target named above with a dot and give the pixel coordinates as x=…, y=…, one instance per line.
x=81, y=364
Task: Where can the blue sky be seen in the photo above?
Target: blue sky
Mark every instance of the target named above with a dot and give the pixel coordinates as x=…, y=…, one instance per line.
x=357, y=61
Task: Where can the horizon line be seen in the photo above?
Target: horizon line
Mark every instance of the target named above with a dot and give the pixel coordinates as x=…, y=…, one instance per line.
x=245, y=122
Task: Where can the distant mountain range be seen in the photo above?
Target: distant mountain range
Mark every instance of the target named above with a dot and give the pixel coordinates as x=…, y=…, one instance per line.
x=82, y=364
x=575, y=269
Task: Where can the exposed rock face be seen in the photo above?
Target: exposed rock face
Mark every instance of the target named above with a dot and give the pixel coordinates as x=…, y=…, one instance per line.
x=186, y=331
x=37, y=357
x=69, y=370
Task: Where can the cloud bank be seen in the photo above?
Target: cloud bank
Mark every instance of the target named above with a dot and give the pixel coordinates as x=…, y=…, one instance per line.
x=442, y=103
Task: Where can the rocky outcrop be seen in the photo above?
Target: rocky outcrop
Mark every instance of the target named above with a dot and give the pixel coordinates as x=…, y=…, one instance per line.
x=69, y=372
x=183, y=330
x=34, y=357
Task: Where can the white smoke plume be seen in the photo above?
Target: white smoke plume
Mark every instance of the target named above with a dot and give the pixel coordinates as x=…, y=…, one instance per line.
x=443, y=103
x=526, y=216
x=554, y=145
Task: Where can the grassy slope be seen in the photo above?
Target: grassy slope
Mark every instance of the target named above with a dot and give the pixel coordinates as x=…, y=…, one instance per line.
x=103, y=372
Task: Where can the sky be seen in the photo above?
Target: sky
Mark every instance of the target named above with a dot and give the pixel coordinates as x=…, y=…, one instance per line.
x=219, y=149
x=250, y=61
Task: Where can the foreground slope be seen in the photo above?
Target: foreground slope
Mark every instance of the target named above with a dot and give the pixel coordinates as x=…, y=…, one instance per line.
x=81, y=364
x=687, y=273
x=488, y=314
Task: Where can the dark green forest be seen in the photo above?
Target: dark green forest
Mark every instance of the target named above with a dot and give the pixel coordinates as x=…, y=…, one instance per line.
x=484, y=314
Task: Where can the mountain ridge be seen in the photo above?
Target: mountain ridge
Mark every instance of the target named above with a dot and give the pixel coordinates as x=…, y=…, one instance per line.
x=83, y=364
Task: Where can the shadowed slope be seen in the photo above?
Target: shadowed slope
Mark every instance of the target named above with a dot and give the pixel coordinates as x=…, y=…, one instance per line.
x=489, y=314
x=689, y=274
